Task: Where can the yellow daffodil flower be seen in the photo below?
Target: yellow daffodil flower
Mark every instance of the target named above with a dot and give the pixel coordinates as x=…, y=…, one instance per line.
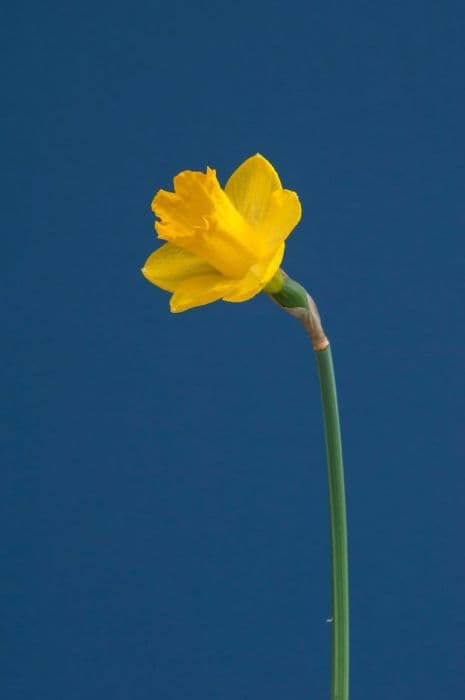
x=221, y=244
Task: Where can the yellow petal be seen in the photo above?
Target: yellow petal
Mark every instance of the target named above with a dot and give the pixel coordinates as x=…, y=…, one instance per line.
x=258, y=277
x=282, y=217
x=169, y=266
x=201, y=290
x=250, y=187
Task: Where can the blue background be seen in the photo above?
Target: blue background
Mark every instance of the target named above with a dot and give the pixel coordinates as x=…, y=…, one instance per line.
x=164, y=491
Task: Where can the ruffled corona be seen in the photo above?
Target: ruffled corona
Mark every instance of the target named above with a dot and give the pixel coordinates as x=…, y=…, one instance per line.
x=221, y=244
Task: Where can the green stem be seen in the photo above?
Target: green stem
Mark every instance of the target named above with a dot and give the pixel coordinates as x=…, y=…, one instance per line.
x=337, y=506
x=293, y=298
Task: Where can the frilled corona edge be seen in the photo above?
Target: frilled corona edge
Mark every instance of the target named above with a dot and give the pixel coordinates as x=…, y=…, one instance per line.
x=221, y=243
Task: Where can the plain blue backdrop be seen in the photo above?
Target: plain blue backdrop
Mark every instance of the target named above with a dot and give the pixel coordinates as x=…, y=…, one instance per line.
x=164, y=497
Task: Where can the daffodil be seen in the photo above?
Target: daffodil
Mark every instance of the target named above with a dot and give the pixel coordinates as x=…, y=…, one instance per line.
x=228, y=244
x=221, y=243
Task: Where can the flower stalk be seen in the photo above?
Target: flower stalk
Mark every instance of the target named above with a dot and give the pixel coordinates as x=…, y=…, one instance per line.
x=293, y=298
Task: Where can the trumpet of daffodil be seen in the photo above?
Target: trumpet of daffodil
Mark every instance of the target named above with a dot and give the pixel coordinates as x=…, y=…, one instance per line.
x=221, y=243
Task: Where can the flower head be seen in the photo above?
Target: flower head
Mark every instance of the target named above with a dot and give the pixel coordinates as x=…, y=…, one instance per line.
x=221, y=244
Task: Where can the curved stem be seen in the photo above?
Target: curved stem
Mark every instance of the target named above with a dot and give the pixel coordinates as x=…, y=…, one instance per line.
x=337, y=506
x=294, y=299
